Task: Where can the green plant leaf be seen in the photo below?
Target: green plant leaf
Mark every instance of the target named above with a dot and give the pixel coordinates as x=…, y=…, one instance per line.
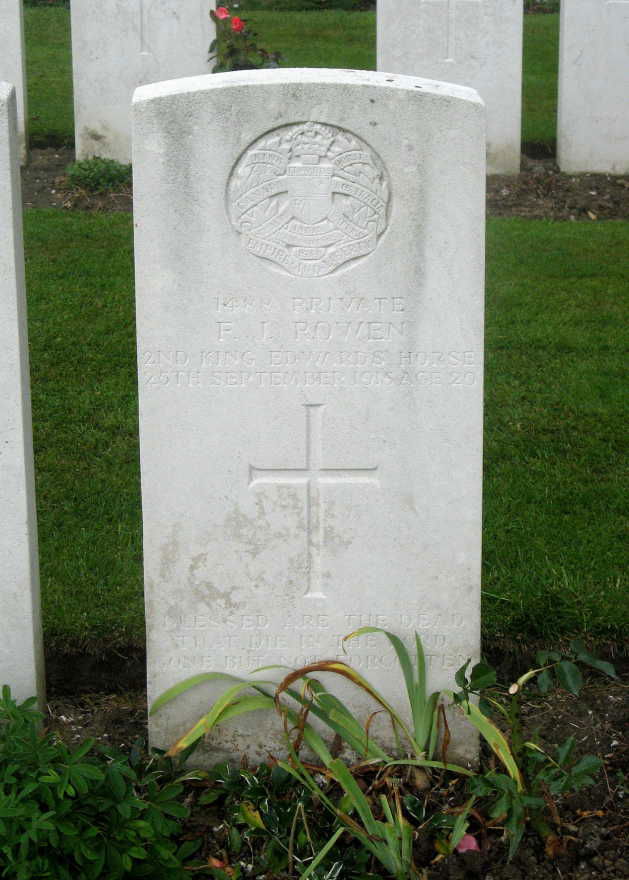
x=207, y=722
x=584, y=656
x=569, y=676
x=482, y=676
x=545, y=681
x=565, y=750
x=494, y=738
x=438, y=765
x=460, y=825
x=186, y=685
x=460, y=676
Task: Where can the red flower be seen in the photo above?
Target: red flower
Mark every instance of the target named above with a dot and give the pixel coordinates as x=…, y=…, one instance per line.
x=237, y=24
x=221, y=12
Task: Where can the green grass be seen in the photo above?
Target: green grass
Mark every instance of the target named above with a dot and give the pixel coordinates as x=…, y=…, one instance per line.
x=553, y=554
x=319, y=39
x=82, y=340
x=539, y=100
x=49, y=73
x=332, y=38
x=556, y=412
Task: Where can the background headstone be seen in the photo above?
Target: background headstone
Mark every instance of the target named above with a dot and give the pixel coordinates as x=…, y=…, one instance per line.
x=310, y=342
x=12, y=63
x=593, y=99
x=21, y=654
x=118, y=45
x=476, y=43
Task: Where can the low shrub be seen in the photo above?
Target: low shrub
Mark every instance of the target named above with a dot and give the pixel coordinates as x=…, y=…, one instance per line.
x=99, y=175
x=83, y=813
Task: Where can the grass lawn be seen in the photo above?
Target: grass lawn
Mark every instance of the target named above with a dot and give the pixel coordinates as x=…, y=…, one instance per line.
x=553, y=555
x=539, y=99
x=332, y=38
x=49, y=75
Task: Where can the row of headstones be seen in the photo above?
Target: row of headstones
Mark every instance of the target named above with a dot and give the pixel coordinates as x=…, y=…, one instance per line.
x=310, y=349
x=477, y=43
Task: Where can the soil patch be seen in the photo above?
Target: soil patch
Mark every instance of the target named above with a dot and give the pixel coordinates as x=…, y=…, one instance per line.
x=540, y=191
x=592, y=826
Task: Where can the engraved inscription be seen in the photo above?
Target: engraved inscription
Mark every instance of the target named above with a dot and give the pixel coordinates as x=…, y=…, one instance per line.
x=312, y=476
x=303, y=367
x=245, y=642
x=309, y=198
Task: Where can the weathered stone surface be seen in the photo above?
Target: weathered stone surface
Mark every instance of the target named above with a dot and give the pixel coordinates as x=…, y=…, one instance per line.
x=593, y=100
x=12, y=63
x=118, y=45
x=476, y=43
x=21, y=656
x=310, y=343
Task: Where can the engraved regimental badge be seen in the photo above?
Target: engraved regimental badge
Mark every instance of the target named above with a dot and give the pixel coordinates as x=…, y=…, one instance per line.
x=310, y=198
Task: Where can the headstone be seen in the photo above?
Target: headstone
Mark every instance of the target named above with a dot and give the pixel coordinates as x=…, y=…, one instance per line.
x=21, y=655
x=12, y=63
x=118, y=45
x=476, y=43
x=309, y=248
x=593, y=100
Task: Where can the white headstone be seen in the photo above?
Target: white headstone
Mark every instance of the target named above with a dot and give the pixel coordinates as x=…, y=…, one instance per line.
x=21, y=655
x=593, y=100
x=310, y=342
x=476, y=43
x=118, y=45
x=12, y=63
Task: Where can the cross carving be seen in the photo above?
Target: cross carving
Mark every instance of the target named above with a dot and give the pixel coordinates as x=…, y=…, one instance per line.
x=451, y=8
x=144, y=46
x=313, y=476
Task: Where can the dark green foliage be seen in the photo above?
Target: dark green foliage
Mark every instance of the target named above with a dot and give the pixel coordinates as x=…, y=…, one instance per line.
x=267, y=812
x=81, y=814
x=543, y=777
x=236, y=46
x=99, y=175
x=547, y=777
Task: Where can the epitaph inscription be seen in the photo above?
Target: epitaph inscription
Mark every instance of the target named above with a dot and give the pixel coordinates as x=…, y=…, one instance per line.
x=309, y=198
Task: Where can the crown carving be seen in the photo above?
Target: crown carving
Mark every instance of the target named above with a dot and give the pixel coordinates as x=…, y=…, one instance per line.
x=312, y=140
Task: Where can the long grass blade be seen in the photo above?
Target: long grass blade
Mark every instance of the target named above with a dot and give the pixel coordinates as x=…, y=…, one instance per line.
x=495, y=740
x=322, y=854
x=339, y=668
x=245, y=705
x=438, y=765
x=211, y=719
x=347, y=727
x=400, y=649
x=187, y=684
x=360, y=802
